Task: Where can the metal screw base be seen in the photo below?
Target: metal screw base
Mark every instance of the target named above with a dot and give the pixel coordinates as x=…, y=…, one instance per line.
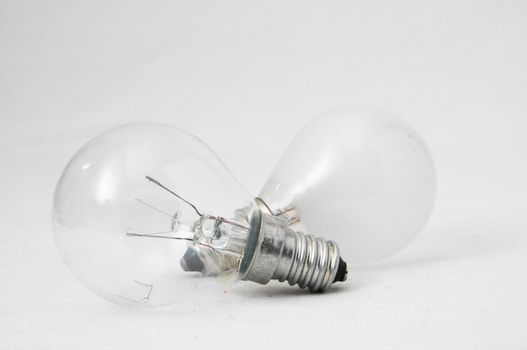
x=314, y=264
x=274, y=251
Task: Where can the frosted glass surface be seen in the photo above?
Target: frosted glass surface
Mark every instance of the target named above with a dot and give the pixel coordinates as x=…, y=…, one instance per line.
x=360, y=176
x=103, y=196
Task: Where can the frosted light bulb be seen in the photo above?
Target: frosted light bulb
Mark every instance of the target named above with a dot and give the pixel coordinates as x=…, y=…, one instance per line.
x=147, y=214
x=360, y=176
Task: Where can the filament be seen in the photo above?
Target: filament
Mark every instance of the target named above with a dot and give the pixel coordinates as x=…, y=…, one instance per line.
x=151, y=206
x=158, y=235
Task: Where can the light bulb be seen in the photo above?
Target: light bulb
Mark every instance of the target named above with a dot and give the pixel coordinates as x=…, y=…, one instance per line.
x=360, y=176
x=147, y=214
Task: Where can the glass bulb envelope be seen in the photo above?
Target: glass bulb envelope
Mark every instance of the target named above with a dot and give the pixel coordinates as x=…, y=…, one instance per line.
x=360, y=176
x=131, y=203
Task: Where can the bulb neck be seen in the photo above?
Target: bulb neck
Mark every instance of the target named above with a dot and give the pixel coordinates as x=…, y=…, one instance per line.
x=288, y=213
x=274, y=251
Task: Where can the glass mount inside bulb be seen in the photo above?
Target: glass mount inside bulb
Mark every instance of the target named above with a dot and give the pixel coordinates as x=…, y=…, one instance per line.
x=216, y=243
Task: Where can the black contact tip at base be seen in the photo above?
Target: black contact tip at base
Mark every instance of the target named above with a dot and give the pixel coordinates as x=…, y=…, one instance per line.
x=342, y=271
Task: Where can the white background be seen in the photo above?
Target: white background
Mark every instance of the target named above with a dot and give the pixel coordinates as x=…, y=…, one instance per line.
x=244, y=76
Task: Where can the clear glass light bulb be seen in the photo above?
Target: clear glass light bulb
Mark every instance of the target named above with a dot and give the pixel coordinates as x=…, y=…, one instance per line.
x=147, y=214
x=360, y=176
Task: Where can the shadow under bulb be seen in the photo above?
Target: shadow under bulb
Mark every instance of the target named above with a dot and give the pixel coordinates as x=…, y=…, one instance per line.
x=147, y=214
